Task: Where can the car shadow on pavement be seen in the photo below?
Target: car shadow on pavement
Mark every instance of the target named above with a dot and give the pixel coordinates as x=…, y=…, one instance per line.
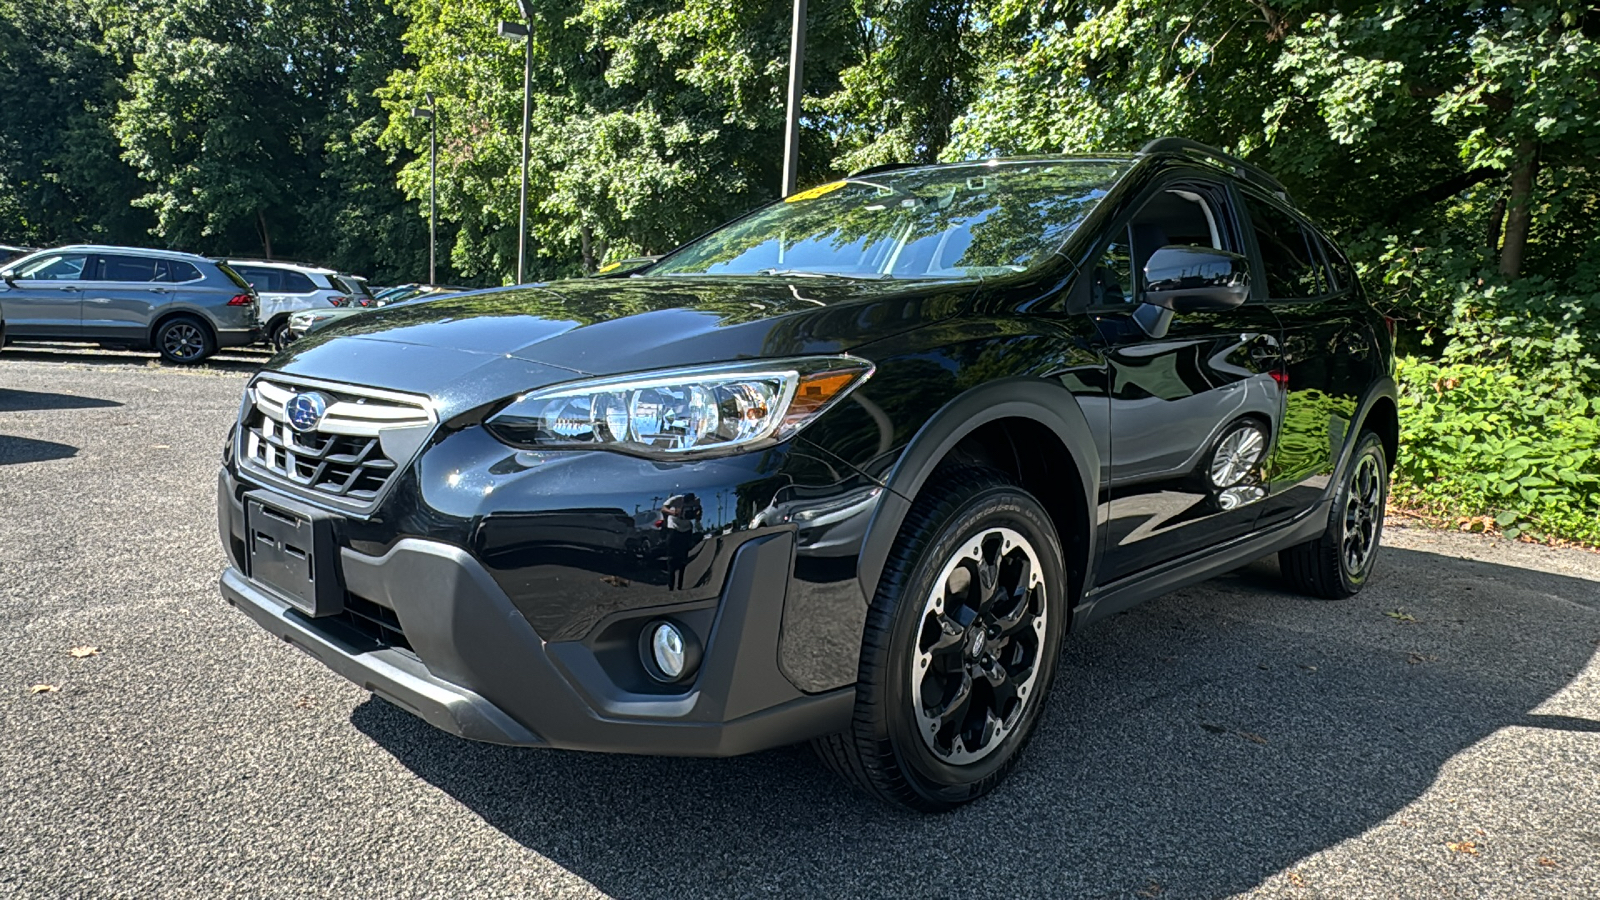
x=32, y=401
x=16, y=450
x=1202, y=743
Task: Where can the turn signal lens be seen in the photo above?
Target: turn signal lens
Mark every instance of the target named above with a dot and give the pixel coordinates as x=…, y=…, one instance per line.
x=701, y=410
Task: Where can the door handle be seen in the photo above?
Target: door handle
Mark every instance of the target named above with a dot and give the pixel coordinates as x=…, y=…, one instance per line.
x=68, y=289
x=159, y=290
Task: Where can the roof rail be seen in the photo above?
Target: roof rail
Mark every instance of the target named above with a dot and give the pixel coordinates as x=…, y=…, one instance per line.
x=1187, y=147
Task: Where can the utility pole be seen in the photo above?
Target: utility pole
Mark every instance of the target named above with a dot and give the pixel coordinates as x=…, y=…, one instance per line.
x=523, y=31
x=791, y=141
x=433, y=180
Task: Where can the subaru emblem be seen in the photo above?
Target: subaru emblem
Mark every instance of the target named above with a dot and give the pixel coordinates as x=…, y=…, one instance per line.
x=305, y=411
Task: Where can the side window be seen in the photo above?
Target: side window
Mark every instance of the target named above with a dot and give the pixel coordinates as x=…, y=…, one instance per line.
x=129, y=268
x=296, y=283
x=1288, y=261
x=263, y=280
x=1177, y=216
x=181, y=272
x=1344, y=274
x=57, y=267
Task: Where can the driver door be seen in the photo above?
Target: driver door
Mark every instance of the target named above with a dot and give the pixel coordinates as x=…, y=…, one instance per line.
x=45, y=298
x=1194, y=408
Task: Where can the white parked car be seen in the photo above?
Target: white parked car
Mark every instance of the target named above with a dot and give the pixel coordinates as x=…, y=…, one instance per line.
x=289, y=287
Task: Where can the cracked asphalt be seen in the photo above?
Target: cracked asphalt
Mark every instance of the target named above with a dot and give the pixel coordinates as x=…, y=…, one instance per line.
x=1437, y=736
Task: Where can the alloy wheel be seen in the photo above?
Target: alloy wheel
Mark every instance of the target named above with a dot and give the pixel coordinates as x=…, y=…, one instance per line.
x=183, y=341
x=1363, y=512
x=977, y=652
x=1237, y=455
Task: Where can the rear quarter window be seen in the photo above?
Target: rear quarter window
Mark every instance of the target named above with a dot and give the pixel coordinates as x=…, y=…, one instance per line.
x=180, y=272
x=297, y=283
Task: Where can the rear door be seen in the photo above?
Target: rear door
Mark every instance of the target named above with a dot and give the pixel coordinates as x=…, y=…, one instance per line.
x=47, y=299
x=1194, y=407
x=1330, y=352
x=123, y=294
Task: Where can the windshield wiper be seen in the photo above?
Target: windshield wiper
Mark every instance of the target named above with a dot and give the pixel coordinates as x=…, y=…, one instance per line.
x=802, y=273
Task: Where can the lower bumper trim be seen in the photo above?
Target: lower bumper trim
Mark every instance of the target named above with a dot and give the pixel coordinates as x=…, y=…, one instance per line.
x=391, y=674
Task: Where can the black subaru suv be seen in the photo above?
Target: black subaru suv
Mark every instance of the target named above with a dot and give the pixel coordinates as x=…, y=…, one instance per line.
x=848, y=469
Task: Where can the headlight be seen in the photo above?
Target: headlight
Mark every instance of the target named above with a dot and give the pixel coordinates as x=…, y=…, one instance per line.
x=707, y=409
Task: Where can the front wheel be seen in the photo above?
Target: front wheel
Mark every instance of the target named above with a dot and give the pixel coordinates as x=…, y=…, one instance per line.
x=960, y=647
x=1338, y=563
x=184, y=340
x=280, y=337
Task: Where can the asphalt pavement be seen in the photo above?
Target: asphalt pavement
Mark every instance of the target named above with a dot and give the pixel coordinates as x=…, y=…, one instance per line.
x=1437, y=736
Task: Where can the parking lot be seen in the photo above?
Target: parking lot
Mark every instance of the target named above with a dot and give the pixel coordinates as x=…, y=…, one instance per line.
x=1436, y=736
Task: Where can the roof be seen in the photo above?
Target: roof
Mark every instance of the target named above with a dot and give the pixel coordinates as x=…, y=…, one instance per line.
x=280, y=264
x=131, y=251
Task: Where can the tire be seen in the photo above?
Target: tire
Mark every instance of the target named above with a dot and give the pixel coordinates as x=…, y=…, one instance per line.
x=184, y=340
x=910, y=666
x=1338, y=563
x=278, y=336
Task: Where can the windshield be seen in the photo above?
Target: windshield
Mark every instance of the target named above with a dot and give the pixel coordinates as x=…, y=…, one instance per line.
x=947, y=222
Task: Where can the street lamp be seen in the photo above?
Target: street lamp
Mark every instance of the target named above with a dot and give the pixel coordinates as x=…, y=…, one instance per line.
x=433, y=178
x=522, y=31
x=791, y=137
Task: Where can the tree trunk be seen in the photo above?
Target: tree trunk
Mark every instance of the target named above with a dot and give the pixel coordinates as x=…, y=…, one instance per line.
x=1497, y=218
x=586, y=243
x=1519, y=212
x=266, y=236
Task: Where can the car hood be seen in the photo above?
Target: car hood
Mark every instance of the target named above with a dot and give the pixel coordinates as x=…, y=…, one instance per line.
x=477, y=347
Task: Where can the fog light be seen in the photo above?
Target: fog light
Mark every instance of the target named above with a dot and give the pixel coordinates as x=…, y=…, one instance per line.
x=669, y=651
x=667, y=648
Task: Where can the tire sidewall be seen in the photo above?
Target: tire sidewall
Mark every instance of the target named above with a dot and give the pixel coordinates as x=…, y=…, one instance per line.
x=280, y=330
x=987, y=509
x=1369, y=445
x=208, y=343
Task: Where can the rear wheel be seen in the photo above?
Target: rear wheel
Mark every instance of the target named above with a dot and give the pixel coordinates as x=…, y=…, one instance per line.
x=960, y=647
x=279, y=336
x=1338, y=563
x=184, y=340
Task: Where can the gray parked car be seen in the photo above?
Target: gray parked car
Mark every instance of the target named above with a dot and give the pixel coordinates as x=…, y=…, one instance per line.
x=183, y=306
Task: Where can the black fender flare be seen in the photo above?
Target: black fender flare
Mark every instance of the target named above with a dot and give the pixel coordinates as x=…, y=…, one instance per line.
x=1383, y=388
x=1043, y=401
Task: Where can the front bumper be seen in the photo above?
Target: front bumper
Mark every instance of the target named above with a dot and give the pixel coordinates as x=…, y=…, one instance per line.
x=477, y=668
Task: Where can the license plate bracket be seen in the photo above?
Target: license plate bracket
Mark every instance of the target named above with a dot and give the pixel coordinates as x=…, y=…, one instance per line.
x=291, y=549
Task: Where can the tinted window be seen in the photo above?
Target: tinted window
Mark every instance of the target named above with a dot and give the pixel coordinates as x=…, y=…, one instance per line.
x=131, y=268
x=1287, y=259
x=56, y=267
x=182, y=271
x=1344, y=274
x=296, y=283
x=233, y=276
x=263, y=280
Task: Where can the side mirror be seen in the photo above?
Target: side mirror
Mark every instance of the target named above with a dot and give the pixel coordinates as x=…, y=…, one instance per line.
x=10, y=277
x=1196, y=279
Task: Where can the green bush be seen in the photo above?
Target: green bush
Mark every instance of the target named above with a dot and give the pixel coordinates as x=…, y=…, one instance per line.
x=1480, y=439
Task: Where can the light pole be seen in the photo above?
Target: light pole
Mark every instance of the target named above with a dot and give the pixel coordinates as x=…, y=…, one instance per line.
x=433, y=178
x=791, y=138
x=523, y=31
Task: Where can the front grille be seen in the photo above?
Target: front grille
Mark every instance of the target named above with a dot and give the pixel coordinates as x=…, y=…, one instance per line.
x=351, y=455
x=374, y=621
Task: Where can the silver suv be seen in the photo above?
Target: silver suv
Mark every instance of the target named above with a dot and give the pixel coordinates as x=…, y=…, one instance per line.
x=290, y=287
x=184, y=306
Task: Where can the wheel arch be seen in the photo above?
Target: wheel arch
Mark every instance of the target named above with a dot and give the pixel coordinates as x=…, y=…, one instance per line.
x=168, y=315
x=1029, y=428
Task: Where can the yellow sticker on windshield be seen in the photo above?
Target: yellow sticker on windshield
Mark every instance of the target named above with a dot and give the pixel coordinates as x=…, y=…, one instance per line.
x=608, y=267
x=813, y=193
